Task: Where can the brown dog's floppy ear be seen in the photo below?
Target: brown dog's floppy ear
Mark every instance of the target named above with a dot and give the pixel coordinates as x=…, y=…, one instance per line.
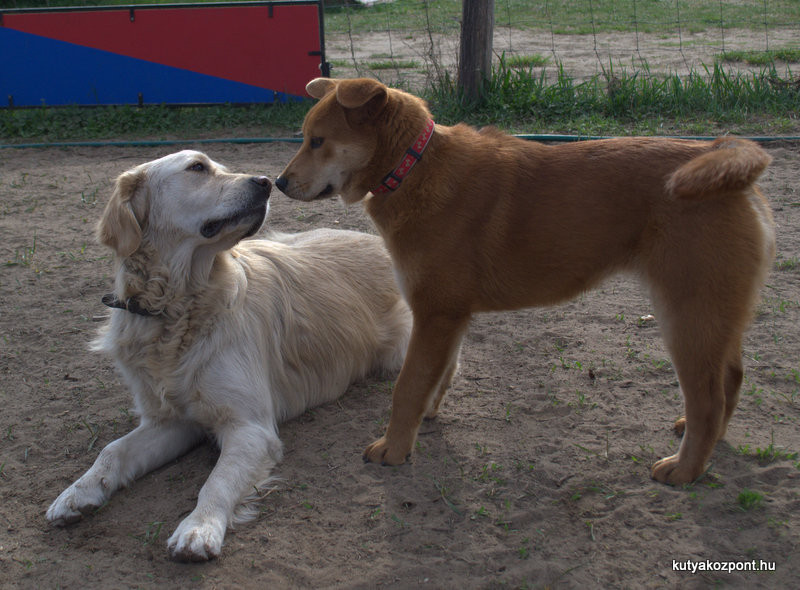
x=118, y=228
x=319, y=87
x=355, y=93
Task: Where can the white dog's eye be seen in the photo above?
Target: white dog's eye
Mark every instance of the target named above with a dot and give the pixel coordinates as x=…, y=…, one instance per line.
x=197, y=167
x=316, y=142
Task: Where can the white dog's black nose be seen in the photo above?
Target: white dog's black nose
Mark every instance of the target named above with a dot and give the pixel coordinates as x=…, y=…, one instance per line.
x=282, y=182
x=262, y=181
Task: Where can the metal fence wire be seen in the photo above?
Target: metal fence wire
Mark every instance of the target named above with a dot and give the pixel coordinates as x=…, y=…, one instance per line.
x=415, y=42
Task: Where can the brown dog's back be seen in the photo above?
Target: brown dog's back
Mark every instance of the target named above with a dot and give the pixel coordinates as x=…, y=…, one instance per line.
x=533, y=224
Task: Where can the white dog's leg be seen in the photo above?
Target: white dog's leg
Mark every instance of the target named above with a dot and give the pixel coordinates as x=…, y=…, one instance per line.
x=247, y=454
x=140, y=451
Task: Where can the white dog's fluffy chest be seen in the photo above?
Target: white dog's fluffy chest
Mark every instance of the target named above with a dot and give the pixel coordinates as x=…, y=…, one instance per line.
x=265, y=341
x=153, y=362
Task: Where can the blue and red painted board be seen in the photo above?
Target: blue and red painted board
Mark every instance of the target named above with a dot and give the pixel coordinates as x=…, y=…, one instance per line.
x=242, y=52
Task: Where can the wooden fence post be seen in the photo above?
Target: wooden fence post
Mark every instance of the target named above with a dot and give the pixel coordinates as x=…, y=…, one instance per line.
x=475, y=54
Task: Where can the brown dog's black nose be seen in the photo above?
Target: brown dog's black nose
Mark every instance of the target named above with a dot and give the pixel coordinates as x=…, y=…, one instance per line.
x=282, y=182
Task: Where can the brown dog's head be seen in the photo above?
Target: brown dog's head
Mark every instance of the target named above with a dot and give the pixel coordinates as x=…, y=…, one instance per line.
x=352, y=138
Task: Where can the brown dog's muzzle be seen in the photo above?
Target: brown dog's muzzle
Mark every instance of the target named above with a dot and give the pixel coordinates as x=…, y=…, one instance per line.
x=282, y=183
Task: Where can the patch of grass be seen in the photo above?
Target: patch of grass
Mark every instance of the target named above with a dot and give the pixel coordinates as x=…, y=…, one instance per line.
x=89, y=199
x=619, y=102
x=777, y=305
x=674, y=516
x=508, y=411
x=24, y=257
x=519, y=62
x=750, y=500
x=445, y=494
x=489, y=472
x=480, y=513
x=756, y=393
x=772, y=453
x=788, y=264
x=48, y=124
x=581, y=403
x=392, y=65
x=399, y=521
x=339, y=63
x=590, y=526
x=630, y=351
x=151, y=533
x=769, y=454
x=94, y=433
x=762, y=58
x=524, y=550
x=598, y=489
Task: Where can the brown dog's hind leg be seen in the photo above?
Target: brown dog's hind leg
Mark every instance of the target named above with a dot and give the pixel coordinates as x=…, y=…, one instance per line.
x=447, y=379
x=429, y=366
x=734, y=375
x=704, y=340
x=704, y=399
x=704, y=268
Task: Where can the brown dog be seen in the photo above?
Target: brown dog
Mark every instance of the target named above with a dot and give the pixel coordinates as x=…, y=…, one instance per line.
x=484, y=221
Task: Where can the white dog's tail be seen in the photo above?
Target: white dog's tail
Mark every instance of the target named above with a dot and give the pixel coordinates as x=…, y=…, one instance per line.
x=730, y=165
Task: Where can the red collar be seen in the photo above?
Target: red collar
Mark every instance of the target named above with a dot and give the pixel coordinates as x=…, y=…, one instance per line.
x=392, y=180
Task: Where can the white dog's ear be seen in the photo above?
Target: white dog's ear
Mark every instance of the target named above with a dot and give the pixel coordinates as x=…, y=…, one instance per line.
x=118, y=228
x=319, y=87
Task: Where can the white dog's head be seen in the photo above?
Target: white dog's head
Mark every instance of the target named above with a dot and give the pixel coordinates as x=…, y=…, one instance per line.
x=186, y=206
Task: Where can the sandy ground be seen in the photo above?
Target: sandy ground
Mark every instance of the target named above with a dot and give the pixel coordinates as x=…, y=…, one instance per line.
x=536, y=473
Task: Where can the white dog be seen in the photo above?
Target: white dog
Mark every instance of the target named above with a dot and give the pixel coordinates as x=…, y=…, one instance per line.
x=227, y=340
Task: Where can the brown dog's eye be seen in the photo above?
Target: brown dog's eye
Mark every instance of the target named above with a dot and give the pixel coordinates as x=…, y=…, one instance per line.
x=197, y=167
x=316, y=142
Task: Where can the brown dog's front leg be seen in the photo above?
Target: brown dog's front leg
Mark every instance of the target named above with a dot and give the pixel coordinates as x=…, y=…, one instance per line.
x=432, y=351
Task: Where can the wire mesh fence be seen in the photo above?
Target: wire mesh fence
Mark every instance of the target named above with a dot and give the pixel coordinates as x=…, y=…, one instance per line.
x=414, y=42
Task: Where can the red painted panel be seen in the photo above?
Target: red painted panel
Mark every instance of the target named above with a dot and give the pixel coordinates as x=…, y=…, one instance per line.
x=241, y=43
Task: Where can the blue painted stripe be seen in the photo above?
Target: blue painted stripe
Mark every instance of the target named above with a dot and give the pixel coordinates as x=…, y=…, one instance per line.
x=41, y=71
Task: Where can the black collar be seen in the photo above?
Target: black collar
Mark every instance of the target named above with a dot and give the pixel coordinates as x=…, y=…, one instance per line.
x=130, y=304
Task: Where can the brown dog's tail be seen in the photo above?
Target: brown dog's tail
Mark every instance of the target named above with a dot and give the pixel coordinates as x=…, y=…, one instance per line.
x=730, y=165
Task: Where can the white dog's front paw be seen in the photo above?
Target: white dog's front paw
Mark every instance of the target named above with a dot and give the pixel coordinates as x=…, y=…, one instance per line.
x=197, y=539
x=80, y=498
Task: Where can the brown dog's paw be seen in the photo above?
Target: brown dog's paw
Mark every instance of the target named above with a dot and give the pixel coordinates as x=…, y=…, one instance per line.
x=680, y=426
x=384, y=452
x=671, y=471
